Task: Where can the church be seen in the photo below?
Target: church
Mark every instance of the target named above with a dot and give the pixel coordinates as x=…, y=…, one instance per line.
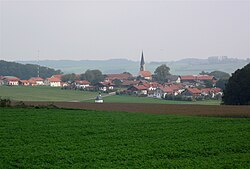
x=143, y=72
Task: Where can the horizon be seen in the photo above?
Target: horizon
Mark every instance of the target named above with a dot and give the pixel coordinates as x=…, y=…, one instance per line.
x=101, y=30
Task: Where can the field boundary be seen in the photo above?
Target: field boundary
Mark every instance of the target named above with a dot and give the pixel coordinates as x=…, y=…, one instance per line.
x=198, y=110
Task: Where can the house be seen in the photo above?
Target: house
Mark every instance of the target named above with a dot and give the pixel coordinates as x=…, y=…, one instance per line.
x=36, y=81
x=1, y=82
x=145, y=75
x=24, y=83
x=128, y=83
x=197, y=78
x=82, y=84
x=192, y=92
x=121, y=77
x=161, y=92
x=59, y=76
x=53, y=82
x=139, y=90
x=104, y=86
x=173, y=79
x=211, y=92
x=11, y=80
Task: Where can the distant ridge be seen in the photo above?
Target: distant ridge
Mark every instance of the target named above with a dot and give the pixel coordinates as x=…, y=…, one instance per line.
x=25, y=71
x=180, y=67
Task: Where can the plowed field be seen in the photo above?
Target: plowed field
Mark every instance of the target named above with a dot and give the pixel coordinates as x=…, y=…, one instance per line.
x=200, y=110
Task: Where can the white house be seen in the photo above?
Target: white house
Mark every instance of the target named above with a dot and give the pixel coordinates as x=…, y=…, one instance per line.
x=36, y=81
x=82, y=83
x=53, y=82
x=11, y=80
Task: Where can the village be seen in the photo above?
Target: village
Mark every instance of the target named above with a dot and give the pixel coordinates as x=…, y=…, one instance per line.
x=186, y=87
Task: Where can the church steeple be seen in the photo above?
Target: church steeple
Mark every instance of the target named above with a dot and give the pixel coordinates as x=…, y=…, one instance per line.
x=142, y=65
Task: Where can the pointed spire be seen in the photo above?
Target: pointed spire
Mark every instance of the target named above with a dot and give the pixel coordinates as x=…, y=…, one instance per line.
x=142, y=65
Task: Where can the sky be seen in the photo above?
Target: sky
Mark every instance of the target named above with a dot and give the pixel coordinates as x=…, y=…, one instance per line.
x=97, y=30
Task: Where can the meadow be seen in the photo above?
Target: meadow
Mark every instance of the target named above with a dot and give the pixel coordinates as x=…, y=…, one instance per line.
x=61, y=138
x=43, y=93
x=135, y=99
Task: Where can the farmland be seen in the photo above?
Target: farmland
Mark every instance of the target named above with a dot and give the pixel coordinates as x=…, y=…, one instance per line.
x=59, y=138
x=43, y=93
x=135, y=99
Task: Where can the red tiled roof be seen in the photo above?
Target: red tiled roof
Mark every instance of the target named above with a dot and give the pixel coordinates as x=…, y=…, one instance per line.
x=53, y=79
x=205, y=77
x=166, y=89
x=129, y=82
x=216, y=90
x=122, y=76
x=145, y=73
x=11, y=78
x=59, y=76
x=36, y=79
x=197, y=77
x=141, y=87
x=83, y=82
x=194, y=90
x=24, y=81
x=107, y=83
x=188, y=77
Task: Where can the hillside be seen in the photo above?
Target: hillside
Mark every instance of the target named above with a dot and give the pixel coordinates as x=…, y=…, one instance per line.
x=180, y=67
x=25, y=71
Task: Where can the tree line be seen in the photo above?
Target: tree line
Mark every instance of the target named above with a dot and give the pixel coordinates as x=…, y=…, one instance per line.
x=25, y=71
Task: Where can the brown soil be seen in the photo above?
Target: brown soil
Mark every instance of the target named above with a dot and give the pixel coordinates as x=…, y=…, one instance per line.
x=199, y=110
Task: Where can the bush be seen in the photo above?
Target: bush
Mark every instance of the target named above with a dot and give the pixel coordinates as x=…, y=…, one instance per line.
x=5, y=102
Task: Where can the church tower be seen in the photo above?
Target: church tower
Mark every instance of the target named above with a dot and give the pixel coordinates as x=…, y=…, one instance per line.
x=142, y=65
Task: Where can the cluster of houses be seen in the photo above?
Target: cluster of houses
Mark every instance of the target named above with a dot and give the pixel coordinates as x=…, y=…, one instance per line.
x=189, y=86
x=54, y=81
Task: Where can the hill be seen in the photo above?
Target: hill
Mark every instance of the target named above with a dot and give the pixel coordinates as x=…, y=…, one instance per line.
x=181, y=67
x=25, y=71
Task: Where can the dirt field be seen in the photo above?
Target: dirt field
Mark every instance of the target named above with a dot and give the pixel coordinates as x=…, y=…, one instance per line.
x=199, y=110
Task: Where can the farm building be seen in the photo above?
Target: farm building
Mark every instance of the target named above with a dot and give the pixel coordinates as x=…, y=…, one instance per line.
x=53, y=82
x=36, y=81
x=11, y=80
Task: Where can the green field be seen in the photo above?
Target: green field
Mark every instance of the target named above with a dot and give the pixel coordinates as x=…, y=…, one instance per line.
x=57, y=138
x=135, y=99
x=43, y=93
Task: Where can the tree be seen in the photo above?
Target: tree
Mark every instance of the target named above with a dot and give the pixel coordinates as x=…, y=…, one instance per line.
x=93, y=76
x=117, y=82
x=161, y=73
x=208, y=83
x=25, y=71
x=237, y=91
x=220, y=75
x=204, y=73
x=221, y=83
x=69, y=78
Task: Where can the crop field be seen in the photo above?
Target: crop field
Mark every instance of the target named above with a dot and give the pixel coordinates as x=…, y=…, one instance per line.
x=135, y=99
x=43, y=93
x=61, y=138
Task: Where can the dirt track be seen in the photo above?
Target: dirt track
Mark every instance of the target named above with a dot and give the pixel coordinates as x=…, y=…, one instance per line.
x=200, y=110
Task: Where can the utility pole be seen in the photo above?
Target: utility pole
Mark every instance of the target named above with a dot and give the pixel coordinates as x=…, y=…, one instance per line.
x=38, y=67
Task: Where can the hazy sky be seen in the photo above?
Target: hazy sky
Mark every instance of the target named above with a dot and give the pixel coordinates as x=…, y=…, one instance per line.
x=164, y=30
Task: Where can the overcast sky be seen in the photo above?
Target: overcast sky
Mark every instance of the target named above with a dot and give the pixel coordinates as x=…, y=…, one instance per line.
x=164, y=30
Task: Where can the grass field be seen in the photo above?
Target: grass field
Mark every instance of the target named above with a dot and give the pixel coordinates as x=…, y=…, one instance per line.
x=59, y=138
x=43, y=93
x=134, y=99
